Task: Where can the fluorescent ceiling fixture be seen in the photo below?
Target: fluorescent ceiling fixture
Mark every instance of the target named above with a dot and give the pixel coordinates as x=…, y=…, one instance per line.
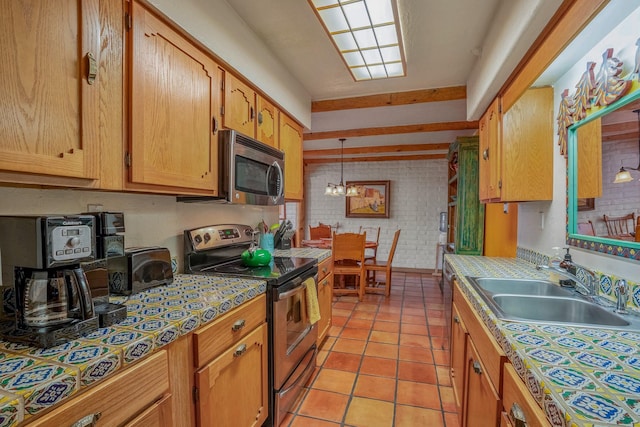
x=367, y=35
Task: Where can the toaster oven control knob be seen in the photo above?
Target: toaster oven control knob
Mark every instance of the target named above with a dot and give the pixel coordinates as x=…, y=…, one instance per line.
x=74, y=241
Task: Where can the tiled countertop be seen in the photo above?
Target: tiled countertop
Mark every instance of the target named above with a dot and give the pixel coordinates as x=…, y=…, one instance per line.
x=579, y=376
x=34, y=379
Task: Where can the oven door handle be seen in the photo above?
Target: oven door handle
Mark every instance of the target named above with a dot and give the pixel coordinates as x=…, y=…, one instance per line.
x=294, y=291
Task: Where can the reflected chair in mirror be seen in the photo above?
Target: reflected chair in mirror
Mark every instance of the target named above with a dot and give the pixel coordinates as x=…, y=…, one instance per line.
x=371, y=267
x=586, y=228
x=621, y=227
x=348, y=260
x=320, y=232
x=372, y=232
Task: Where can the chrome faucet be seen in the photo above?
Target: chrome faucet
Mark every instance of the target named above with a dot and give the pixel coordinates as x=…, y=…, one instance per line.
x=587, y=287
x=622, y=293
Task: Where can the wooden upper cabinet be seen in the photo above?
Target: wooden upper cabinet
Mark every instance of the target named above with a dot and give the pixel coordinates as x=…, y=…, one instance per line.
x=589, y=147
x=50, y=103
x=267, y=122
x=239, y=106
x=291, y=144
x=175, y=92
x=490, y=153
x=527, y=147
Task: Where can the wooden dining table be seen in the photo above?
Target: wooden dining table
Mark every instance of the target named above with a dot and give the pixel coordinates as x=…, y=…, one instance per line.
x=326, y=243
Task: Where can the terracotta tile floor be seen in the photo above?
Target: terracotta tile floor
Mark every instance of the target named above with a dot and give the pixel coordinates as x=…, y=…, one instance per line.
x=383, y=363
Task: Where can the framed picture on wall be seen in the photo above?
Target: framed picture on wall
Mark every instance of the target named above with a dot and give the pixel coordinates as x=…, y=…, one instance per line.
x=372, y=200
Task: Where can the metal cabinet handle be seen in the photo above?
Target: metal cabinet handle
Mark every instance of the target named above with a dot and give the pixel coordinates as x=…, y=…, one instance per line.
x=214, y=126
x=517, y=416
x=485, y=154
x=88, y=421
x=240, y=350
x=92, y=72
x=238, y=325
x=476, y=367
x=456, y=319
x=252, y=113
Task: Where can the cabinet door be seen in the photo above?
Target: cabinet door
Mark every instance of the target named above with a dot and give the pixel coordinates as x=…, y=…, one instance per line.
x=157, y=415
x=291, y=144
x=490, y=152
x=469, y=231
x=232, y=390
x=527, y=147
x=325, y=299
x=590, y=159
x=458, y=357
x=239, y=106
x=267, y=122
x=174, y=101
x=482, y=403
x=49, y=121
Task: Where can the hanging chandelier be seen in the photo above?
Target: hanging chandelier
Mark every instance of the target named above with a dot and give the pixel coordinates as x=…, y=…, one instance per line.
x=624, y=175
x=339, y=189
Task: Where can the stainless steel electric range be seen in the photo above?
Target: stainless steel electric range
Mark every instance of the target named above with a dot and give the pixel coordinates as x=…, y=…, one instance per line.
x=216, y=250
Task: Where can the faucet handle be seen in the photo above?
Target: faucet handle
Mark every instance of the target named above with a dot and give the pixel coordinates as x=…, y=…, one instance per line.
x=622, y=293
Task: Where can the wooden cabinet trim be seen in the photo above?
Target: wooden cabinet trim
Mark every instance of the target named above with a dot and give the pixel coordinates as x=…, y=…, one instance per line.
x=515, y=391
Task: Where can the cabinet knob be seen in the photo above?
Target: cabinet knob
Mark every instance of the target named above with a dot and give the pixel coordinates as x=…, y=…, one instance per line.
x=456, y=319
x=476, y=367
x=485, y=154
x=87, y=421
x=517, y=416
x=214, y=123
x=240, y=350
x=238, y=325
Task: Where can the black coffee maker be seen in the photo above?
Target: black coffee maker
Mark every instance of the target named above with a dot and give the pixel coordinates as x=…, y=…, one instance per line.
x=41, y=257
x=109, y=267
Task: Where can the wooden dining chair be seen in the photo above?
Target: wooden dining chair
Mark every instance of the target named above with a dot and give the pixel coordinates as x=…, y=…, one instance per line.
x=320, y=232
x=586, y=228
x=371, y=252
x=348, y=260
x=373, y=266
x=620, y=226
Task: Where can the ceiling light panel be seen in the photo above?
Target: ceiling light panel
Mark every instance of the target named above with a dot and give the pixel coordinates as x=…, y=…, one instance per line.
x=367, y=35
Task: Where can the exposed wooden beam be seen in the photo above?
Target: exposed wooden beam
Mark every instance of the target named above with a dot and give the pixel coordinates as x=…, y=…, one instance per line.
x=376, y=158
x=390, y=99
x=381, y=149
x=390, y=130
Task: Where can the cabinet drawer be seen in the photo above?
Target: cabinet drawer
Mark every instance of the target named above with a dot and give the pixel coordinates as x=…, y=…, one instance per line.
x=117, y=399
x=488, y=349
x=514, y=392
x=324, y=268
x=213, y=339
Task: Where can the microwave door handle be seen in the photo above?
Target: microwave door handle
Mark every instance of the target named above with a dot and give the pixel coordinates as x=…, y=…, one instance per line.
x=280, y=188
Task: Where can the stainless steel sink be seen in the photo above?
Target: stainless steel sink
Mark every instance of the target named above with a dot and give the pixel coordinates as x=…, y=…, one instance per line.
x=521, y=287
x=557, y=309
x=540, y=301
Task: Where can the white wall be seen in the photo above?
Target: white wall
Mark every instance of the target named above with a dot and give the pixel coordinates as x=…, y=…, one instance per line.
x=149, y=220
x=531, y=232
x=418, y=195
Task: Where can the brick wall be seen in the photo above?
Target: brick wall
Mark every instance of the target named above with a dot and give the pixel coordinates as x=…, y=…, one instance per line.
x=418, y=195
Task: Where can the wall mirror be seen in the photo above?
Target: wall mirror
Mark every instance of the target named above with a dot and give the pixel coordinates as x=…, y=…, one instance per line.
x=598, y=147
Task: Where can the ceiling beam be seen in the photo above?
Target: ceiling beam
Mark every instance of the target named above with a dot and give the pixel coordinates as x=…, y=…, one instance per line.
x=391, y=99
x=376, y=158
x=381, y=149
x=390, y=130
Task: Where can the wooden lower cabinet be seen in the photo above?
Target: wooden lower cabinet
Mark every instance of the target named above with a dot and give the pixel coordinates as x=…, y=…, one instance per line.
x=325, y=298
x=520, y=408
x=140, y=392
x=482, y=402
x=232, y=389
x=458, y=358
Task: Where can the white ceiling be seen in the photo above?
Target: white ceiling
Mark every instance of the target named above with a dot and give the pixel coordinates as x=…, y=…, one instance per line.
x=443, y=39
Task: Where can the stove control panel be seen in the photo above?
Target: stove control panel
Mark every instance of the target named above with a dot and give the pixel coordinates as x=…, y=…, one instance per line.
x=215, y=236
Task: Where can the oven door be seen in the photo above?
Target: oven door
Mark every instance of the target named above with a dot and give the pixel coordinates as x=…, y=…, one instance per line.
x=293, y=334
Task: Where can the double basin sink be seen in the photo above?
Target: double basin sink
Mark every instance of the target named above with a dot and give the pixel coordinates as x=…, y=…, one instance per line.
x=540, y=301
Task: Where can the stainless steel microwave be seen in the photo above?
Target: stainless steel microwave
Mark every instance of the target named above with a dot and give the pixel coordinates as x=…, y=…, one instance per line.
x=250, y=172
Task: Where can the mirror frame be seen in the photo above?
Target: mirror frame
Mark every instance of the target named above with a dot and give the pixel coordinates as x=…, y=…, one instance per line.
x=594, y=243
